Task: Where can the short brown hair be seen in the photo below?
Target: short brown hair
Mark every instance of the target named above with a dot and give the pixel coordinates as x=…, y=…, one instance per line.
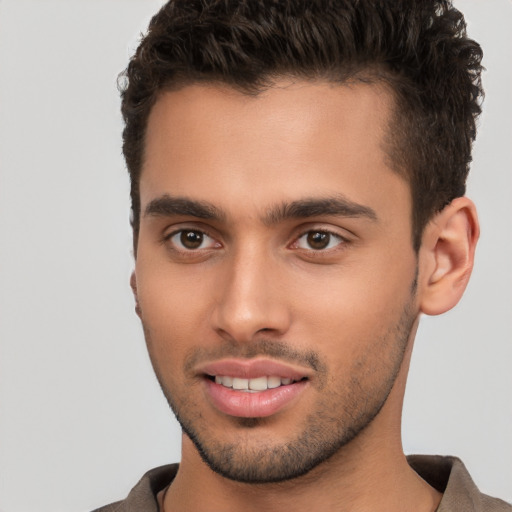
x=419, y=47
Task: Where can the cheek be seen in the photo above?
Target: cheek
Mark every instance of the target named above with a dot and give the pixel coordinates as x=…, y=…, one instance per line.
x=173, y=308
x=357, y=311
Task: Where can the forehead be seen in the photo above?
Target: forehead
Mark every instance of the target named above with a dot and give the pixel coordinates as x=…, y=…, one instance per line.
x=293, y=140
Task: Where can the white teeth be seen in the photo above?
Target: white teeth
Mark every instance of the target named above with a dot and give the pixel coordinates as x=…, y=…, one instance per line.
x=224, y=380
x=256, y=384
x=259, y=384
x=273, y=382
x=240, y=383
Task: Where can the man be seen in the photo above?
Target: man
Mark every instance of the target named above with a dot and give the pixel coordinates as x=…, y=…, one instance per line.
x=298, y=175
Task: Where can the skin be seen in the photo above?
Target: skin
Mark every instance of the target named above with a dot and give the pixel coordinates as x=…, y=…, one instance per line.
x=257, y=287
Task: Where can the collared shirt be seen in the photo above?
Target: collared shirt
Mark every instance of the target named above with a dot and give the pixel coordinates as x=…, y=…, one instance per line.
x=446, y=474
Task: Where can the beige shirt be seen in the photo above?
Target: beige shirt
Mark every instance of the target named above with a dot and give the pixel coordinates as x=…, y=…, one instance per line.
x=446, y=474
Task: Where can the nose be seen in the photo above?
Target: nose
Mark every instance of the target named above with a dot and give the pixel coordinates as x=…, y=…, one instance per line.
x=250, y=299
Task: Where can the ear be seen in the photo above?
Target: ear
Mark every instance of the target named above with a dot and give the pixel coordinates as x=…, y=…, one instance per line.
x=133, y=285
x=447, y=255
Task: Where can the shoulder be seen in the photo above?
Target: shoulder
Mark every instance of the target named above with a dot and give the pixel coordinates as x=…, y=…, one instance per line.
x=449, y=476
x=142, y=498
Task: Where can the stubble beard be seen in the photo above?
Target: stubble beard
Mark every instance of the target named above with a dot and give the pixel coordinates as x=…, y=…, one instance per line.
x=340, y=416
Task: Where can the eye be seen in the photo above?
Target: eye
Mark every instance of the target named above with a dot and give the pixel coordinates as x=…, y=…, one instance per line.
x=318, y=240
x=191, y=240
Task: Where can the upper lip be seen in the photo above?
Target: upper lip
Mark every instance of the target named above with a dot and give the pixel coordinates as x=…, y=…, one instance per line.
x=253, y=368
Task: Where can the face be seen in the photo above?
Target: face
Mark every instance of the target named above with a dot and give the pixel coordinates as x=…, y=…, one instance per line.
x=275, y=274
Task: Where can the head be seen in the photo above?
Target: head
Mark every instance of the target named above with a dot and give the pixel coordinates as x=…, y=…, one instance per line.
x=296, y=174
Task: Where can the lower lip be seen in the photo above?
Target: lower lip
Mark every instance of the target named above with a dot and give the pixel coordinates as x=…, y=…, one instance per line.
x=245, y=404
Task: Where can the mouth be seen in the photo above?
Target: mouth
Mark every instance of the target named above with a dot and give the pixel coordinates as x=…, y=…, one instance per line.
x=254, y=385
x=253, y=388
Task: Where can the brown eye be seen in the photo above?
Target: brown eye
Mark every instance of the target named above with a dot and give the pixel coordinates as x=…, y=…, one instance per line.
x=191, y=239
x=319, y=240
x=189, y=243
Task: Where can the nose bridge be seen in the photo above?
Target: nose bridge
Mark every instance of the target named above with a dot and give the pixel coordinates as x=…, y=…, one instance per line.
x=249, y=301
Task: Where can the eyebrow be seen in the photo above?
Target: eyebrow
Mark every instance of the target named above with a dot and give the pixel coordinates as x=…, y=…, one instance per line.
x=169, y=206
x=316, y=207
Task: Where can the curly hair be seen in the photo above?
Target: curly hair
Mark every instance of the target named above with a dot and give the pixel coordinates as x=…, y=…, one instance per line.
x=418, y=47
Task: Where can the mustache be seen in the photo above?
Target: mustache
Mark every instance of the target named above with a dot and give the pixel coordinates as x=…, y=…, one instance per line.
x=279, y=350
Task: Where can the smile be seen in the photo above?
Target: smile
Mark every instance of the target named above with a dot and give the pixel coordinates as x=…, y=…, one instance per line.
x=253, y=388
x=257, y=397
x=253, y=385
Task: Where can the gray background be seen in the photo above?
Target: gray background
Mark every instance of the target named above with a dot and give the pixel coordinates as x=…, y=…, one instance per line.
x=81, y=415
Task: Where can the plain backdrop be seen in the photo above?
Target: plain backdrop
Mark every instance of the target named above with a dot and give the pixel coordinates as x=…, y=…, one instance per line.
x=81, y=414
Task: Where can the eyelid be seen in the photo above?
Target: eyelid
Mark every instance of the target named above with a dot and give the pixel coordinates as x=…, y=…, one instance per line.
x=176, y=227
x=167, y=237
x=315, y=228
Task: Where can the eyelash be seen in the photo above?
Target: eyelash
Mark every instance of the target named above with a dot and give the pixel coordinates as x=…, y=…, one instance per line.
x=340, y=241
x=168, y=239
x=325, y=232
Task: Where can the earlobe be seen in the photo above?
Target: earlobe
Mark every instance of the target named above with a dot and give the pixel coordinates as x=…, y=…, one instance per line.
x=447, y=256
x=133, y=285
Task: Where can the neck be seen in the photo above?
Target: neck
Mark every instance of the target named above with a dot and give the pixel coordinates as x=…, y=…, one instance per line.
x=350, y=481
